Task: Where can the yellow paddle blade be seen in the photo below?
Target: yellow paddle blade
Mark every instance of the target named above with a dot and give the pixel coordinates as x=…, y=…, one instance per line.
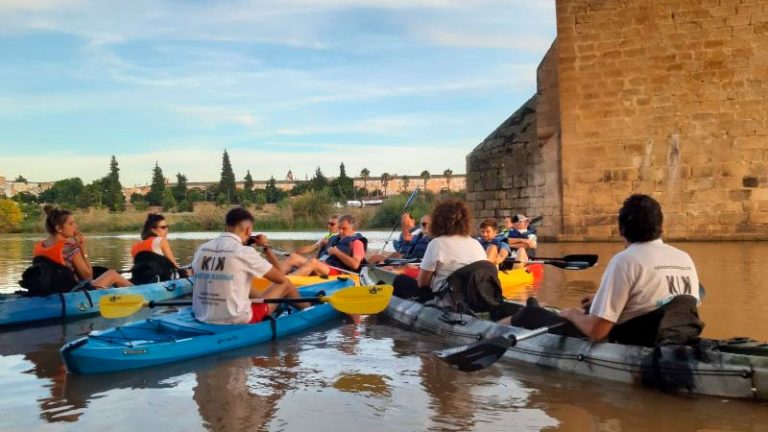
x=361, y=300
x=119, y=306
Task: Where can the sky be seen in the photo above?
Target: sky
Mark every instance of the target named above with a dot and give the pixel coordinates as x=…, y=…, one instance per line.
x=390, y=85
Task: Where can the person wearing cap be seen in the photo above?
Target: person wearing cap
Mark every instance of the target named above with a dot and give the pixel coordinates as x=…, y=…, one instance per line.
x=520, y=236
x=224, y=268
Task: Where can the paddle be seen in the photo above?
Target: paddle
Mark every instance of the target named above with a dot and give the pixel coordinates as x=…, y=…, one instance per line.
x=565, y=265
x=405, y=207
x=362, y=300
x=481, y=354
x=590, y=259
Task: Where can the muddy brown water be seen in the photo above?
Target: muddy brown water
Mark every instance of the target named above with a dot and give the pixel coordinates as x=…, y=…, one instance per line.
x=369, y=375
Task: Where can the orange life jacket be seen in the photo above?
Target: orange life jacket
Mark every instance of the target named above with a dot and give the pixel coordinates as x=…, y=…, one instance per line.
x=143, y=246
x=54, y=252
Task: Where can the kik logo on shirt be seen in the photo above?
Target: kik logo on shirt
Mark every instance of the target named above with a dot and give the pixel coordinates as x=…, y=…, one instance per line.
x=207, y=263
x=679, y=285
x=212, y=268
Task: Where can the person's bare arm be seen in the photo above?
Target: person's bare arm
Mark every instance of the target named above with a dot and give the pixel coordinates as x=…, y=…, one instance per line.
x=594, y=327
x=406, y=223
x=82, y=267
x=307, y=249
x=425, y=278
x=166, y=248
x=349, y=261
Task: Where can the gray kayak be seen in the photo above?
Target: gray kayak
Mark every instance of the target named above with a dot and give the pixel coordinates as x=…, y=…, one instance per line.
x=736, y=368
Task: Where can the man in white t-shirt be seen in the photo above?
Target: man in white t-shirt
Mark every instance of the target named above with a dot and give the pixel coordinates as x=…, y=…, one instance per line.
x=645, y=276
x=224, y=268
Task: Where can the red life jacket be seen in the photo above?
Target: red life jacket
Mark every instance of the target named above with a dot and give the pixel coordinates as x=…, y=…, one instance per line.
x=54, y=252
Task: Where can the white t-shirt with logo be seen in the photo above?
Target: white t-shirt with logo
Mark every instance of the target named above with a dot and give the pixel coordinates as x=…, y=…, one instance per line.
x=446, y=254
x=224, y=268
x=642, y=278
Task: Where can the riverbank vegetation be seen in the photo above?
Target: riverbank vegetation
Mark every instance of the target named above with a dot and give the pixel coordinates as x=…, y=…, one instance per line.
x=101, y=206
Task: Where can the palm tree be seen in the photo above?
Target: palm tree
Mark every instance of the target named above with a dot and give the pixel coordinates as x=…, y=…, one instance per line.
x=448, y=174
x=406, y=181
x=364, y=174
x=425, y=176
x=385, y=178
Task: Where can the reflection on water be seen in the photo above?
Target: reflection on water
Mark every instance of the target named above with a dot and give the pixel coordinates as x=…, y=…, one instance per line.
x=367, y=373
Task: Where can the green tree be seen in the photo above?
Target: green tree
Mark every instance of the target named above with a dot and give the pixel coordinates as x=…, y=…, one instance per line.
x=112, y=194
x=319, y=181
x=385, y=178
x=10, y=215
x=139, y=201
x=448, y=174
x=21, y=179
x=157, y=188
x=405, y=182
x=24, y=198
x=425, y=175
x=227, y=181
x=92, y=196
x=342, y=187
x=301, y=188
x=180, y=189
x=169, y=202
x=248, y=194
x=66, y=193
x=365, y=174
x=272, y=193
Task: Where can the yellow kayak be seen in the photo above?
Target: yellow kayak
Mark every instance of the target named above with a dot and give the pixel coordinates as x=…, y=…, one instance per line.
x=261, y=284
x=512, y=281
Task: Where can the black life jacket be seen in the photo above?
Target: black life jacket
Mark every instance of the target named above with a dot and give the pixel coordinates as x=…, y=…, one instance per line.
x=46, y=277
x=149, y=267
x=418, y=246
x=323, y=249
x=345, y=245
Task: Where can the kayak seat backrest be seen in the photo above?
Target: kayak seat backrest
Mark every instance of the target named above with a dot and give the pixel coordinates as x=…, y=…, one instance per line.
x=676, y=323
x=46, y=277
x=149, y=267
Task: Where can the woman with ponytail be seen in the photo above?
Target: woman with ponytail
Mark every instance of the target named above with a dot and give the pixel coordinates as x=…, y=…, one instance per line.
x=66, y=246
x=153, y=259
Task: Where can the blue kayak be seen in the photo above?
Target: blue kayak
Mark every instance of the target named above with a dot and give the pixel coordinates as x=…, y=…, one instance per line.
x=16, y=309
x=179, y=336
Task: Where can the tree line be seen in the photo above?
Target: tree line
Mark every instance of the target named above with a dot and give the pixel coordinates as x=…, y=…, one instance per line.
x=107, y=192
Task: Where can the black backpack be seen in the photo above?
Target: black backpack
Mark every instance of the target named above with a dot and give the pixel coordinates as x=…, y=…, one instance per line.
x=149, y=267
x=46, y=277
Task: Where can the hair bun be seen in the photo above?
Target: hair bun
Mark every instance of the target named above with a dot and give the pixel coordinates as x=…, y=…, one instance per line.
x=48, y=208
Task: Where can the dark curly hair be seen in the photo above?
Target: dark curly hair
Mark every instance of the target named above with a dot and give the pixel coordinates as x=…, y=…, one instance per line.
x=640, y=219
x=451, y=217
x=54, y=217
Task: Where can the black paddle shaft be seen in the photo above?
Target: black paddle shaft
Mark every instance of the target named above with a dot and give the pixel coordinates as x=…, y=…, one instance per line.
x=481, y=354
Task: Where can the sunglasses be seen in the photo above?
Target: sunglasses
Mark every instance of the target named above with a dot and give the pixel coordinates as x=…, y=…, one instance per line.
x=424, y=224
x=162, y=227
x=331, y=223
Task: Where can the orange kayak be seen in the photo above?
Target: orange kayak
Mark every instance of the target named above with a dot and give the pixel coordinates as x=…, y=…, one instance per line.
x=261, y=284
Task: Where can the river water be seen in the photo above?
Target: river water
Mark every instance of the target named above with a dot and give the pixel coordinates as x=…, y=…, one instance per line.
x=367, y=375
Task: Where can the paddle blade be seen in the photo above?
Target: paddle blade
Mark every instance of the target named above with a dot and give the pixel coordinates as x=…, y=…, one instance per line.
x=590, y=259
x=119, y=306
x=569, y=265
x=475, y=356
x=362, y=300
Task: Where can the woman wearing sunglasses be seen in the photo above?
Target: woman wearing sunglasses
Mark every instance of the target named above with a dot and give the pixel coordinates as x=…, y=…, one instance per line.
x=152, y=256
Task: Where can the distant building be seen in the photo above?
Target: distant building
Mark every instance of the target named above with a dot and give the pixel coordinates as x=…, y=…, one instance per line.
x=11, y=188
